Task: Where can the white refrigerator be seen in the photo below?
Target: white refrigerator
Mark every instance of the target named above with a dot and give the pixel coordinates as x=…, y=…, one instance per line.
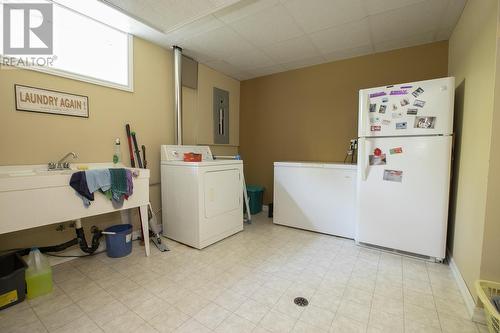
x=404, y=162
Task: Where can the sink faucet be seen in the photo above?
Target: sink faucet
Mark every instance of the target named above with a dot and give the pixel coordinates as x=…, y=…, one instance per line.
x=62, y=164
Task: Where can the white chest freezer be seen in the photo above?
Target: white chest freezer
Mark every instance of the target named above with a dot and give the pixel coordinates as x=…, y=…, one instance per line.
x=319, y=197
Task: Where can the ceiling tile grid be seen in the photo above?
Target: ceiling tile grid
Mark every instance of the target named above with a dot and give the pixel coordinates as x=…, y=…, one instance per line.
x=251, y=38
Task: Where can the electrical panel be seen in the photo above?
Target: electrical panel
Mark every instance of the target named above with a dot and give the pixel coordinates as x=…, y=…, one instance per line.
x=221, y=116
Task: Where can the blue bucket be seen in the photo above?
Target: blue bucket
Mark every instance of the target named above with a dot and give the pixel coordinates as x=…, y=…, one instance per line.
x=119, y=244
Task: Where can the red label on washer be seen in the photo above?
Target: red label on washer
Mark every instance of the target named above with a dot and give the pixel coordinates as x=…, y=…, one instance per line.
x=375, y=128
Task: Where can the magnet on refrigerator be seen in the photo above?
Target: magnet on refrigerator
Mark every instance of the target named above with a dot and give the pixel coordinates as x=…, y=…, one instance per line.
x=377, y=160
x=425, y=122
x=402, y=125
x=419, y=103
x=393, y=176
x=417, y=92
x=397, y=150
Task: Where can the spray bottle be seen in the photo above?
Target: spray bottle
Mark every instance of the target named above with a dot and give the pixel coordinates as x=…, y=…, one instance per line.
x=117, y=156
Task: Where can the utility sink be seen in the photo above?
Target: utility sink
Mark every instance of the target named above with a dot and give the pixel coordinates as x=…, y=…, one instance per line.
x=33, y=172
x=42, y=170
x=26, y=177
x=32, y=196
x=23, y=173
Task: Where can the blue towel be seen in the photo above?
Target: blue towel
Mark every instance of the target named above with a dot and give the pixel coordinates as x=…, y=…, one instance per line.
x=99, y=179
x=78, y=182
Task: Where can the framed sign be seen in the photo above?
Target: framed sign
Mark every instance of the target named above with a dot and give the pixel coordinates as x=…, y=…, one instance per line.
x=49, y=101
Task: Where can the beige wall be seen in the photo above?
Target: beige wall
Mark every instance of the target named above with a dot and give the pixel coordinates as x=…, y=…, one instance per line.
x=310, y=114
x=31, y=138
x=472, y=57
x=490, y=263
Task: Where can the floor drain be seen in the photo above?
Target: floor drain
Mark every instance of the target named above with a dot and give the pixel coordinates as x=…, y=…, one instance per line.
x=301, y=301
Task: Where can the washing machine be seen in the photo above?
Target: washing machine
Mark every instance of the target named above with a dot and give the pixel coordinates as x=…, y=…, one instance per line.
x=202, y=202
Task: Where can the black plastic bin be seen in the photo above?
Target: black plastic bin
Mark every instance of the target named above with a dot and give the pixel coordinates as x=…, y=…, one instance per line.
x=12, y=280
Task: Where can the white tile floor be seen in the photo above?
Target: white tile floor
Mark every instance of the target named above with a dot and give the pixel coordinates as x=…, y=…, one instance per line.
x=247, y=283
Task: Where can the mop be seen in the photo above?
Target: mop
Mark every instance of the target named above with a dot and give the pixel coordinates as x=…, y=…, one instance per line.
x=156, y=230
x=248, y=219
x=153, y=223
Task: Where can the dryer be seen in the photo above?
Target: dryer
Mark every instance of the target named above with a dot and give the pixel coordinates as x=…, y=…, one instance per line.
x=201, y=201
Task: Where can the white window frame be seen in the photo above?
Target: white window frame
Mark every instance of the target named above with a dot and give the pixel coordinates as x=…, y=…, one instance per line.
x=89, y=79
x=84, y=78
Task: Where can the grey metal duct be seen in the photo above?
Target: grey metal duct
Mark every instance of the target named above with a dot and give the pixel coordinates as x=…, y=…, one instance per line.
x=189, y=72
x=178, y=94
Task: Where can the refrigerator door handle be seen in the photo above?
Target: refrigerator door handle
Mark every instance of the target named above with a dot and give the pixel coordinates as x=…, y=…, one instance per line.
x=363, y=162
x=364, y=106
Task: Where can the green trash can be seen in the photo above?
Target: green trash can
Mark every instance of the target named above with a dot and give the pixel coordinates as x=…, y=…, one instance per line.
x=255, y=195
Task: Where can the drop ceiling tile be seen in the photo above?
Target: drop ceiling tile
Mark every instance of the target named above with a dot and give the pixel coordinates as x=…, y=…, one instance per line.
x=349, y=53
x=223, y=66
x=267, y=70
x=223, y=3
x=203, y=25
x=131, y=6
x=252, y=59
x=304, y=62
x=347, y=36
x=444, y=34
x=241, y=76
x=183, y=10
x=196, y=55
x=166, y=14
x=150, y=17
x=267, y=27
x=414, y=40
x=452, y=14
x=221, y=43
x=407, y=21
x=242, y=9
x=379, y=6
x=292, y=50
x=321, y=14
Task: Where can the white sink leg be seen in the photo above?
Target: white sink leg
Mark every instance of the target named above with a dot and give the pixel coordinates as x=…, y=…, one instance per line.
x=145, y=227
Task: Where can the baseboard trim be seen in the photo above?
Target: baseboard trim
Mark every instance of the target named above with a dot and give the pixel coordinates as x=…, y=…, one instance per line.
x=476, y=313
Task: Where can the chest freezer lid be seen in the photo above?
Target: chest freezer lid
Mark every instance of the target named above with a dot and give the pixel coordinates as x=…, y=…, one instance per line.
x=176, y=153
x=308, y=164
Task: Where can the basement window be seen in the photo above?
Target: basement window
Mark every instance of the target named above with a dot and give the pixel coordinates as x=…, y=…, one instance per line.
x=83, y=48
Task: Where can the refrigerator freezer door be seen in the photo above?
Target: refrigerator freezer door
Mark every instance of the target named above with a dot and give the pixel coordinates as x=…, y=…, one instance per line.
x=403, y=204
x=419, y=108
